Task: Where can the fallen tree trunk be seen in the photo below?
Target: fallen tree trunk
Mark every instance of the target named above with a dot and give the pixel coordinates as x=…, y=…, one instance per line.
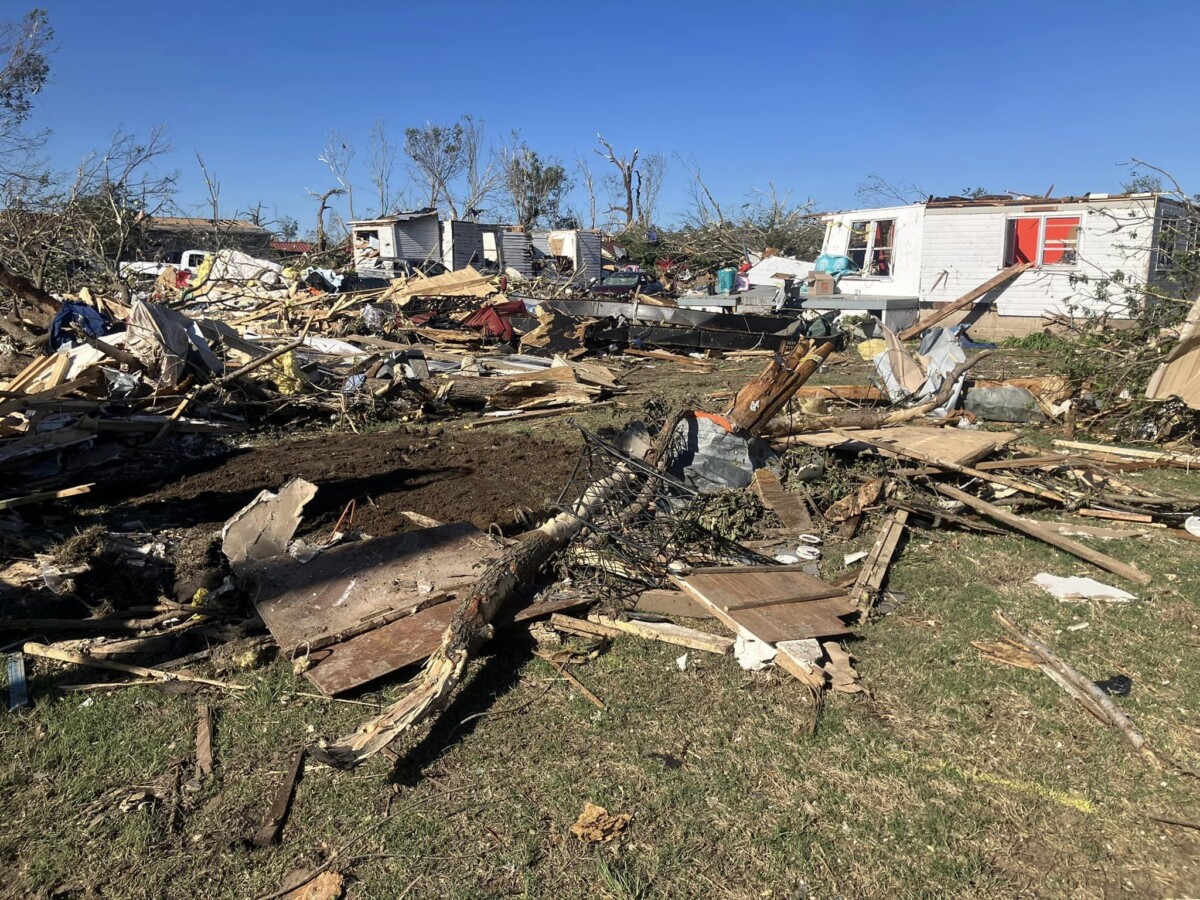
x=471, y=626
x=25, y=289
x=785, y=426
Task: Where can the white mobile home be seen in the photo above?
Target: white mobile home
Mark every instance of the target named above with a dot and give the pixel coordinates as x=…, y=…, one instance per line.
x=938, y=250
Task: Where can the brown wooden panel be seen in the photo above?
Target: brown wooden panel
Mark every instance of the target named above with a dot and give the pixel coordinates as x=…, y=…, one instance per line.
x=349, y=585
x=403, y=643
x=798, y=617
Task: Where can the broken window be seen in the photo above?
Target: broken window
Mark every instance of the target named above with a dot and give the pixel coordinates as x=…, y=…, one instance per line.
x=1050, y=241
x=872, y=246
x=1177, y=236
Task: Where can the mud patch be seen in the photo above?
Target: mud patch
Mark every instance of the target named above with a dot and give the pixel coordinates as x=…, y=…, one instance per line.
x=479, y=477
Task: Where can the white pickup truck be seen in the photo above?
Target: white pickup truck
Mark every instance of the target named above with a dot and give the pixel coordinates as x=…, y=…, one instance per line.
x=189, y=260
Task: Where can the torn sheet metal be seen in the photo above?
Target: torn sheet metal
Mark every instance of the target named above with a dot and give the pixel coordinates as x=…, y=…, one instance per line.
x=264, y=527
x=714, y=460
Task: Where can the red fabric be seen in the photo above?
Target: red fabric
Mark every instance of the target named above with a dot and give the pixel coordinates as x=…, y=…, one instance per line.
x=1062, y=234
x=1025, y=240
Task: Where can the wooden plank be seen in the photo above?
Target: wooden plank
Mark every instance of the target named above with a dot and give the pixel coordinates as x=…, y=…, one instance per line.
x=406, y=642
x=1002, y=277
x=952, y=466
x=42, y=496
x=1042, y=533
x=790, y=508
x=870, y=580
x=1107, y=450
x=952, y=444
x=355, y=583
x=665, y=632
x=1116, y=516
x=802, y=660
x=671, y=603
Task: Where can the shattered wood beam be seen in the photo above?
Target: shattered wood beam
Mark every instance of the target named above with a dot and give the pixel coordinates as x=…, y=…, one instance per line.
x=1042, y=533
x=79, y=659
x=950, y=466
x=870, y=579
x=964, y=301
x=786, y=426
x=865, y=418
x=766, y=396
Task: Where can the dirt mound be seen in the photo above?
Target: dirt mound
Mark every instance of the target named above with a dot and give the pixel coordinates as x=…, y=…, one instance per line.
x=474, y=476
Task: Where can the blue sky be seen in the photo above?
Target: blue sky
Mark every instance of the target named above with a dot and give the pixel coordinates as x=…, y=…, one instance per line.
x=810, y=96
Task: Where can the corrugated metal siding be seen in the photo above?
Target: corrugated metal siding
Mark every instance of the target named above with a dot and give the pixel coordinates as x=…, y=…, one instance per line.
x=590, y=260
x=515, y=252
x=462, y=244
x=419, y=238
x=540, y=241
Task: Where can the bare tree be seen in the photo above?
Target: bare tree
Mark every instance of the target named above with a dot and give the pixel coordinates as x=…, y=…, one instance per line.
x=703, y=209
x=322, y=207
x=589, y=185
x=650, y=176
x=381, y=161
x=624, y=200
x=213, y=187
x=438, y=158
x=484, y=172
x=337, y=154
x=877, y=190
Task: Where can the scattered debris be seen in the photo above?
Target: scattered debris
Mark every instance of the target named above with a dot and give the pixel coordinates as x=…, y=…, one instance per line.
x=1075, y=588
x=596, y=826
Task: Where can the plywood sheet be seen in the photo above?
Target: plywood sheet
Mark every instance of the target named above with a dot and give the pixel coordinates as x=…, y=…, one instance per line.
x=954, y=444
x=405, y=642
x=349, y=585
x=804, y=607
x=1179, y=376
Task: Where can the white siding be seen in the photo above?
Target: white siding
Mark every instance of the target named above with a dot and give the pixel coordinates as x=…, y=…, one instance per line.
x=906, y=264
x=964, y=247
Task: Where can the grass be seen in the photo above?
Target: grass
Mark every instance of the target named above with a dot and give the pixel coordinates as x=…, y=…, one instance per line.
x=951, y=777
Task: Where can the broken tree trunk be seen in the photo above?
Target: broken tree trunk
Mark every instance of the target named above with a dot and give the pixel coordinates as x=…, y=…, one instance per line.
x=471, y=627
x=25, y=289
x=869, y=418
x=766, y=396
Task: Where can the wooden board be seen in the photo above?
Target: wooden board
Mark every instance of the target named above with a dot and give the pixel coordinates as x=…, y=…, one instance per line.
x=795, y=618
x=790, y=508
x=952, y=444
x=405, y=642
x=671, y=603
x=348, y=585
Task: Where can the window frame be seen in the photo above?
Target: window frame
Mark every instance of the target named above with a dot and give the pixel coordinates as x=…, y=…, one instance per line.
x=1186, y=230
x=1041, y=243
x=870, y=248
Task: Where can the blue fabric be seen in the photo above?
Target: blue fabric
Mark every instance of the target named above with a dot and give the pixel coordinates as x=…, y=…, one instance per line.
x=71, y=314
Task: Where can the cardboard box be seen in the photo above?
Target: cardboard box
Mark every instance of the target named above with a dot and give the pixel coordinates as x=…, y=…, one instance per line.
x=820, y=285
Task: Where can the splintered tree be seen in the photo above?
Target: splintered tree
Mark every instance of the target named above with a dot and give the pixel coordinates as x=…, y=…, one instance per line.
x=535, y=187
x=338, y=153
x=438, y=158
